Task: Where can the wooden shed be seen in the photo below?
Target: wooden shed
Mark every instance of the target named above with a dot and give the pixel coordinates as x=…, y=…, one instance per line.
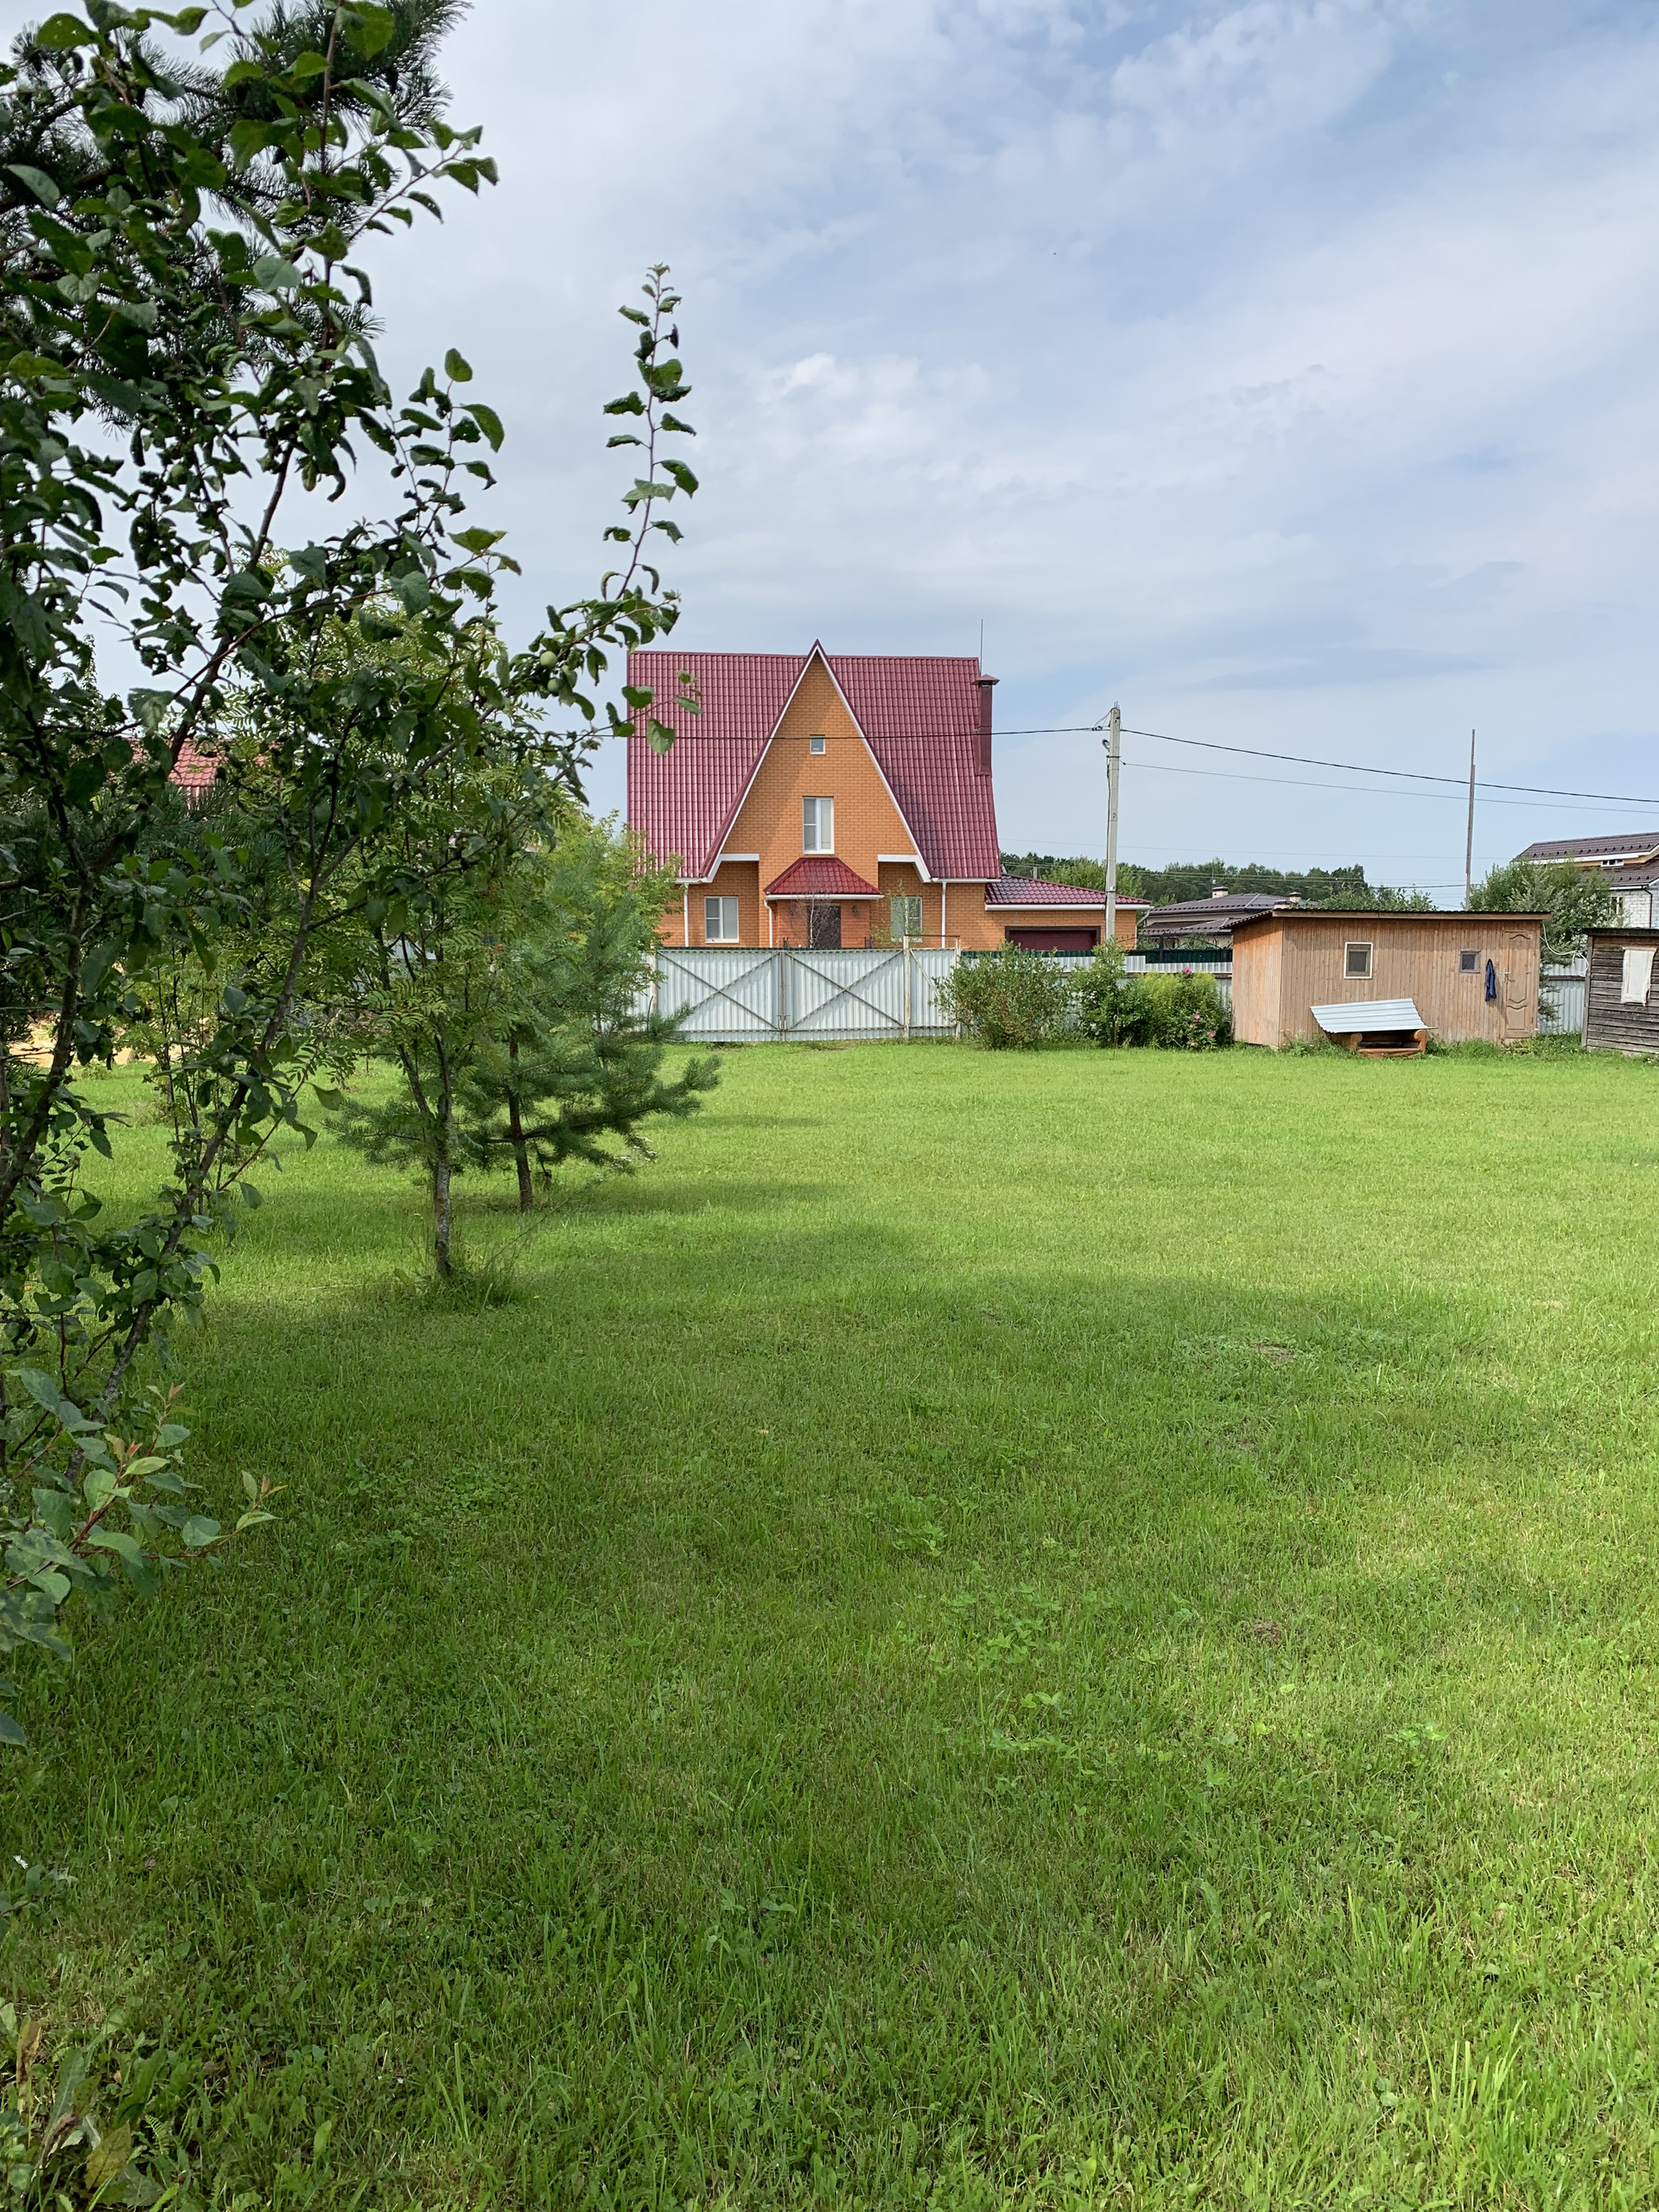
x=1621, y=992
x=1472, y=975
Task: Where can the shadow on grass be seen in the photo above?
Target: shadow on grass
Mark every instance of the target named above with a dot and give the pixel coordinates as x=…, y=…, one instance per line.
x=776, y=1714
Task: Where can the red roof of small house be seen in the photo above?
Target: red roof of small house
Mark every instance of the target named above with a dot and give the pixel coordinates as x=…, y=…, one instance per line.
x=1033, y=891
x=820, y=875
x=194, y=771
x=919, y=714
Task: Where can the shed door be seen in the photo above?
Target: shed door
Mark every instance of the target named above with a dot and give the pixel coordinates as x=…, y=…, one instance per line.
x=1518, y=1019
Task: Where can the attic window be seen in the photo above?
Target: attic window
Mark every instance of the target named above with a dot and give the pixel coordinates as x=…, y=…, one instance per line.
x=1356, y=961
x=817, y=825
x=1469, y=964
x=815, y=744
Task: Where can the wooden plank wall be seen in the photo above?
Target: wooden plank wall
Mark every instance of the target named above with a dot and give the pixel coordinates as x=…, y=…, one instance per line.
x=1256, y=984
x=1610, y=1026
x=1414, y=957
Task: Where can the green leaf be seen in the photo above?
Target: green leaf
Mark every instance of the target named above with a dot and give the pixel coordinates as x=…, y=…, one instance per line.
x=487, y=421
x=309, y=65
x=250, y=1196
x=108, y=2161
x=371, y=28
x=11, y=1733
x=456, y=369
x=38, y=182
x=117, y=1540
x=200, y=1530
x=659, y=736
x=247, y=139
x=59, y=33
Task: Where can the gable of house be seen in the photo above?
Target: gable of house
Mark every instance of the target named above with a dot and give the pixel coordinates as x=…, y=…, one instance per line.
x=921, y=718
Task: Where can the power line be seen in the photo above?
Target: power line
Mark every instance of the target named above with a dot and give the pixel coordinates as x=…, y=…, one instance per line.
x=1307, y=784
x=1349, y=767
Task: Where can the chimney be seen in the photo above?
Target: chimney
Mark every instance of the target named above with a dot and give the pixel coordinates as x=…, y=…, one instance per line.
x=985, y=684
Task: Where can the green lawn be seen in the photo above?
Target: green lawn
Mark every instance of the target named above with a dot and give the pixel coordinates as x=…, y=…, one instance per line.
x=1057, y=1631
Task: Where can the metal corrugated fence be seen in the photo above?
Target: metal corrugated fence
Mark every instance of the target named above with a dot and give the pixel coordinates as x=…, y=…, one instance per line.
x=1560, y=1001
x=730, y=996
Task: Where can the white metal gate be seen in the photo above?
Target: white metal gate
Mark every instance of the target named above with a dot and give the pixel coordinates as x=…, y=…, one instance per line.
x=724, y=997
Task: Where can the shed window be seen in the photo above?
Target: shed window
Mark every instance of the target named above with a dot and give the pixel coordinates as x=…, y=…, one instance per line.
x=815, y=744
x=720, y=925
x=817, y=825
x=1468, y=962
x=1356, y=960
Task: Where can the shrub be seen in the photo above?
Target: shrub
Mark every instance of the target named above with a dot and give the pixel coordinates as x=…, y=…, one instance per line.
x=1009, y=1000
x=1180, y=1012
x=1176, y=1013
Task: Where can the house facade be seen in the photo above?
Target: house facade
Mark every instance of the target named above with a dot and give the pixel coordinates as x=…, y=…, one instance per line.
x=1628, y=864
x=837, y=801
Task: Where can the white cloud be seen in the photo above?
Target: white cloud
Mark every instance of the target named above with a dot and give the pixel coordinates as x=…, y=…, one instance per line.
x=1283, y=366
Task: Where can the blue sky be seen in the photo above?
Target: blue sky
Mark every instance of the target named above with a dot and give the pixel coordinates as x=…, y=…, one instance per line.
x=1288, y=371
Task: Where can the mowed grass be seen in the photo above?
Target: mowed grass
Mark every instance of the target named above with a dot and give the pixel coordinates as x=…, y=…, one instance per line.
x=991, y=1631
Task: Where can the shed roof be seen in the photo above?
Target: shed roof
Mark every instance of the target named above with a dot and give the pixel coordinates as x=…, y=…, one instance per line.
x=1363, y=1015
x=1402, y=915
x=918, y=713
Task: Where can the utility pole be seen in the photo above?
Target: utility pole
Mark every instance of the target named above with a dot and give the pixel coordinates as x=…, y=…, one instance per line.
x=1469, y=839
x=1113, y=770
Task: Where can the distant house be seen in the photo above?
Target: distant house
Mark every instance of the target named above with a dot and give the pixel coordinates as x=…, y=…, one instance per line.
x=1468, y=976
x=835, y=800
x=1629, y=863
x=1214, y=917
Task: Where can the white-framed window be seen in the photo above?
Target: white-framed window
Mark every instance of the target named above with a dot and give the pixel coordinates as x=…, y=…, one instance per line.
x=817, y=825
x=906, y=915
x=1356, y=961
x=815, y=744
x=720, y=921
x=1468, y=962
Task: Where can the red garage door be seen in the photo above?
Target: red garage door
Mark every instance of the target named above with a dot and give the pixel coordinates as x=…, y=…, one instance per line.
x=1055, y=940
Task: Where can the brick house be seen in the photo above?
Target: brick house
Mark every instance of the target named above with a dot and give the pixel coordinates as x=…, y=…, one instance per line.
x=837, y=800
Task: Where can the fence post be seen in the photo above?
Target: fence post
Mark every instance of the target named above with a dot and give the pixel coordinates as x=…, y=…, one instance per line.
x=906, y=990
x=781, y=992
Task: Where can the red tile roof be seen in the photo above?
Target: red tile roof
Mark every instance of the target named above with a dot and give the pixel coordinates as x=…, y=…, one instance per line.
x=919, y=714
x=194, y=771
x=820, y=875
x=1032, y=891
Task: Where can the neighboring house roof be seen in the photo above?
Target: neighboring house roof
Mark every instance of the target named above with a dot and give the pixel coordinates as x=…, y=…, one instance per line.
x=1032, y=891
x=820, y=875
x=1633, y=845
x=918, y=713
x=1636, y=878
x=1210, y=916
x=194, y=771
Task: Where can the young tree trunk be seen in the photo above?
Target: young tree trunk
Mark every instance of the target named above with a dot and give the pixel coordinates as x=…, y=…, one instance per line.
x=440, y=1216
x=516, y=1131
x=443, y=1165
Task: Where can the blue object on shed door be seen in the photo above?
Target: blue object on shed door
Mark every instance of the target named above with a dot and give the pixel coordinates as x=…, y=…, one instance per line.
x=1492, y=982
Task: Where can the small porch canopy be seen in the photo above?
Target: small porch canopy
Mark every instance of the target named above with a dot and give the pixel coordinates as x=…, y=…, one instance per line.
x=820, y=875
